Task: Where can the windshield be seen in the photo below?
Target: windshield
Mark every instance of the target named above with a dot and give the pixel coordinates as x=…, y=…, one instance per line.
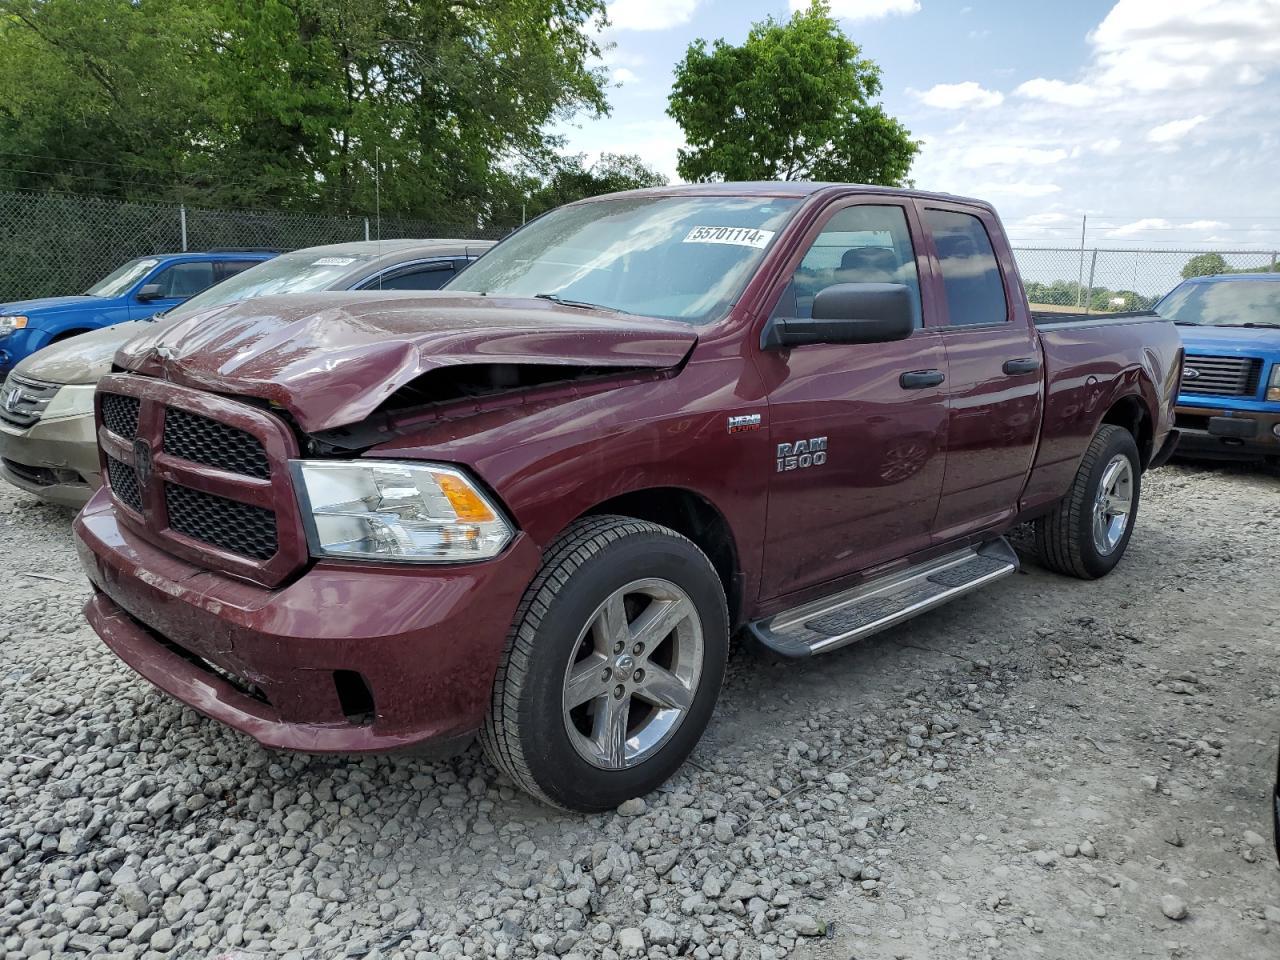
x=303, y=271
x=1227, y=303
x=121, y=279
x=677, y=258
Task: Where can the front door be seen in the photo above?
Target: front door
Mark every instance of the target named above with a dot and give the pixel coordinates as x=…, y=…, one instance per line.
x=859, y=448
x=994, y=376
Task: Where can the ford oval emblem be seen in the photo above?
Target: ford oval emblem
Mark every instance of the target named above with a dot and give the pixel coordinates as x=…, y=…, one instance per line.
x=1190, y=373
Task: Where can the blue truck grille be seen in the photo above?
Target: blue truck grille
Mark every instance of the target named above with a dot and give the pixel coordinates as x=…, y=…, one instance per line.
x=1221, y=376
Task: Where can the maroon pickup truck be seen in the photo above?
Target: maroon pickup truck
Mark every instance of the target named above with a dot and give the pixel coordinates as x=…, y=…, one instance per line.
x=535, y=506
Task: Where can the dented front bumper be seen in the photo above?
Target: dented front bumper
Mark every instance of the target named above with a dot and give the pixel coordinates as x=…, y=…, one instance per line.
x=424, y=642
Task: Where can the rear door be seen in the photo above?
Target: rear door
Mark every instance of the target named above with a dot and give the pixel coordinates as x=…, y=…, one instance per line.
x=995, y=384
x=859, y=450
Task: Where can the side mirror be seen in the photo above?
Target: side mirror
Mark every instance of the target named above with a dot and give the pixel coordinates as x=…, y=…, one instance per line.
x=149, y=292
x=847, y=313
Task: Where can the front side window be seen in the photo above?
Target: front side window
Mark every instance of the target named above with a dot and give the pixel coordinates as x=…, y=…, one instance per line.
x=1223, y=303
x=860, y=244
x=970, y=274
x=677, y=258
x=118, y=281
x=184, y=280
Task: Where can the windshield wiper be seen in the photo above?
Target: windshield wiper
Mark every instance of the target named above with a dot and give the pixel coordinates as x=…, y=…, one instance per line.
x=566, y=302
x=1187, y=323
x=1253, y=324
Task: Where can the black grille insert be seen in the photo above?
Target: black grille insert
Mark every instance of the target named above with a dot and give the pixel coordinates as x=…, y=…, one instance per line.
x=124, y=483
x=120, y=415
x=227, y=524
x=201, y=440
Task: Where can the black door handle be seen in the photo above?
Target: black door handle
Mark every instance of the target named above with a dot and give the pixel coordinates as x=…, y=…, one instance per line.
x=1023, y=365
x=921, y=379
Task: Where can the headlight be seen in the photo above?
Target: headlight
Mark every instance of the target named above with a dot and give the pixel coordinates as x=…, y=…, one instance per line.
x=12, y=322
x=1273, y=388
x=71, y=401
x=396, y=510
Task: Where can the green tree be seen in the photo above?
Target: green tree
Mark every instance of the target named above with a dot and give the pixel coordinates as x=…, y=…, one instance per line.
x=793, y=102
x=304, y=104
x=1205, y=265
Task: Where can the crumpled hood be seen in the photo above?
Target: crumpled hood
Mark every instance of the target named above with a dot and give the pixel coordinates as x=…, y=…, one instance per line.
x=331, y=359
x=82, y=359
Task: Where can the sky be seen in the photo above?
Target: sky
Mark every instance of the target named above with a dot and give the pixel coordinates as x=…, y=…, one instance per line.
x=1157, y=120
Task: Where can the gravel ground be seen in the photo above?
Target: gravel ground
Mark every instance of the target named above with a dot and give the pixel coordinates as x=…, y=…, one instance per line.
x=1047, y=768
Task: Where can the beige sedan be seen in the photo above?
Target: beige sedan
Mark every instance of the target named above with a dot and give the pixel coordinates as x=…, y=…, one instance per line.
x=47, y=441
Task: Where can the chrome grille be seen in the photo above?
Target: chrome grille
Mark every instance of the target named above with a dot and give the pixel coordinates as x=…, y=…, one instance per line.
x=120, y=415
x=1222, y=376
x=124, y=483
x=201, y=440
x=226, y=524
x=23, y=401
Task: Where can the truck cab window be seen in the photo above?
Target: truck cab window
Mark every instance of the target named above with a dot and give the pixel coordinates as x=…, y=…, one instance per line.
x=859, y=244
x=970, y=274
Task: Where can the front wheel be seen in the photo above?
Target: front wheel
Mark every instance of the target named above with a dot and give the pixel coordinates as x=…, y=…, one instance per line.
x=1087, y=533
x=612, y=667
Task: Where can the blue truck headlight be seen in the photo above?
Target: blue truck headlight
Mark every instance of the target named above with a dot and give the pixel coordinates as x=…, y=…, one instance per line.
x=397, y=510
x=1273, y=388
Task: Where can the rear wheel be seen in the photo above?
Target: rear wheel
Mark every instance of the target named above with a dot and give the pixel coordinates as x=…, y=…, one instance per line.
x=1087, y=533
x=612, y=667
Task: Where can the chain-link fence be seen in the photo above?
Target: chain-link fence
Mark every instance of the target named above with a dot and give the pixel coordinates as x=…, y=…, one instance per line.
x=1109, y=280
x=57, y=244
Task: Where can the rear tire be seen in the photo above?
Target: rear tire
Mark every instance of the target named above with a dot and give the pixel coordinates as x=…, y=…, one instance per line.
x=1085, y=536
x=589, y=707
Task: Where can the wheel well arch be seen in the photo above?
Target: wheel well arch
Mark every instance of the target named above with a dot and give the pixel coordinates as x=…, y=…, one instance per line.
x=68, y=334
x=1131, y=413
x=692, y=516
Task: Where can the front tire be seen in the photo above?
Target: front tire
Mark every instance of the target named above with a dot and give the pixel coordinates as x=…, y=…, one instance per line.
x=1088, y=532
x=612, y=667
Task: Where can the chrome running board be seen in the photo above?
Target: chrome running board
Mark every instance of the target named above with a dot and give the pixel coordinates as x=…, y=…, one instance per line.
x=843, y=618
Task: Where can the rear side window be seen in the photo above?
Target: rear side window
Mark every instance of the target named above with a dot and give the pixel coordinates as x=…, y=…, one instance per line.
x=184, y=279
x=419, y=278
x=229, y=268
x=970, y=274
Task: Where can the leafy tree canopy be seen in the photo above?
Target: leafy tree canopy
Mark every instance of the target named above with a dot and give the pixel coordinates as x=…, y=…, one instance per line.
x=293, y=103
x=794, y=102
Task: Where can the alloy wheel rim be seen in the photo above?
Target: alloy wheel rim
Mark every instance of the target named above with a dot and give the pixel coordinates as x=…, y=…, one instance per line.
x=633, y=674
x=1113, y=505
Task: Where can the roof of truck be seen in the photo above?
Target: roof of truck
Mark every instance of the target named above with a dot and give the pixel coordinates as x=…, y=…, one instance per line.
x=797, y=189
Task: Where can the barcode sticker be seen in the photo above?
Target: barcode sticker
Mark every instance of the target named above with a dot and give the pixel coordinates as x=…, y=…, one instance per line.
x=333, y=261
x=735, y=236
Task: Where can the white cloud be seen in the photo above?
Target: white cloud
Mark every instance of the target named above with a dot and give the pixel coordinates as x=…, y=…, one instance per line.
x=1182, y=44
x=1056, y=91
x=864, y=9
x=623, y=75
x=1174, y=129
x=1107, y=146
x=1015, y=189
x=959, y=96
x=1154, y=224
x=1010, y=154
x=651, y=14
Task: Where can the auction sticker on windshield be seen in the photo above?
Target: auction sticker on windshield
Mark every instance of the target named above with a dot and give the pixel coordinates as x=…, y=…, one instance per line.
x=333, y=261
x=737, y=236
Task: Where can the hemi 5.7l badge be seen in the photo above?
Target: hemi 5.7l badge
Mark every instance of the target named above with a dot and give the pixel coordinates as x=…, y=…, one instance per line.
x=802, y=454
x=744, y=423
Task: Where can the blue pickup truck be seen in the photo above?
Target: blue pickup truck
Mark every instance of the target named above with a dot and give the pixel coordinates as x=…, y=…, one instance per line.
x=1229, y=404
x=134, y=291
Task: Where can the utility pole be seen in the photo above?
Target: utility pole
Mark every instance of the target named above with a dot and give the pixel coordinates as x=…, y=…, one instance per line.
x=1084, y=220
